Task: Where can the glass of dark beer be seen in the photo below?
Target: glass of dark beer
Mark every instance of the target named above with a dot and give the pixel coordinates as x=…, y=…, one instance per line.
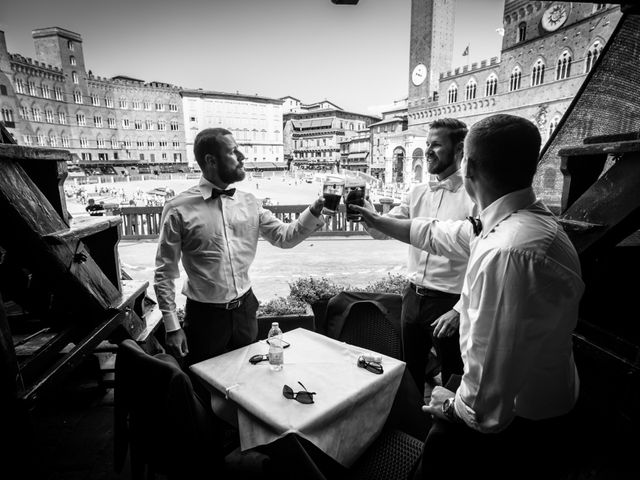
x=354, y=194
x=332, y=190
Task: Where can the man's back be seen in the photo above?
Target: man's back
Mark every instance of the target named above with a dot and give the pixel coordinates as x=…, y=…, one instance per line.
x=521, y=299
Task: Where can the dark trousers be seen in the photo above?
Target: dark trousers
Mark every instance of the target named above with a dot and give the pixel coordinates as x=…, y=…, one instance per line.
x=212, y=331
x=418, y=313
x=526, y=449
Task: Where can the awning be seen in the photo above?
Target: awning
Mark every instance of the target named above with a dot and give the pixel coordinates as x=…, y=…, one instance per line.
x=312, y=123
x=264, y=165
x=358, y=155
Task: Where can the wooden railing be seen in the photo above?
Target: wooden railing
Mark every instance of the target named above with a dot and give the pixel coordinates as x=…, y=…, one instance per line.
x=144, y=222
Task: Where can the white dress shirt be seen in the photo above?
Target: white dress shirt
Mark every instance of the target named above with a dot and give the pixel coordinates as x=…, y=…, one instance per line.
x=442, y=200
x=518, y=309
x=217, y=240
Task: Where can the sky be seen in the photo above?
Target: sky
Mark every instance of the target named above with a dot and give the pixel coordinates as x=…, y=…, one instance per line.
x=355, y=56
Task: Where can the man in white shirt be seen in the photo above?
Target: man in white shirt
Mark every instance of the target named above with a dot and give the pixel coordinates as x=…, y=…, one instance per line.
x=518, y=309
x=214, y=230
x=435, y=281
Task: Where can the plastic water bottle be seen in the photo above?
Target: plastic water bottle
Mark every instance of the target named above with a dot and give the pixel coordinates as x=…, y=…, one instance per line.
x=276, y=352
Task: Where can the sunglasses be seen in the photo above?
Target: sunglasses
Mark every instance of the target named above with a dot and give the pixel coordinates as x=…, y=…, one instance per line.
x=302, y=397
x=258, y=358
x=371, y=366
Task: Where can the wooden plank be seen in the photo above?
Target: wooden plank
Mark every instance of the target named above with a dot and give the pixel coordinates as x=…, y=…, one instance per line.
x=577, y=226
x=600, y=148
x=31, y=218
x=131, y=290
x=72, y=359
x=19, y=152
x=610, y=201
x=82, y=227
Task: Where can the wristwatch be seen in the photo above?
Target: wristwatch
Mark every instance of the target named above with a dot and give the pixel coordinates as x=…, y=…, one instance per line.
x=449, y=409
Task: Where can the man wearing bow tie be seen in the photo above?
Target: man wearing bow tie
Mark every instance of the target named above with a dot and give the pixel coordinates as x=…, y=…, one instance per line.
x=435, y=282
x=214, y=229
x=518, y=309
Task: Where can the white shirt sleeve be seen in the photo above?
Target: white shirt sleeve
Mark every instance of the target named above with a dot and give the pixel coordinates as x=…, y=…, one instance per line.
x=167, y=267
x=449, y=238
x=287, y=235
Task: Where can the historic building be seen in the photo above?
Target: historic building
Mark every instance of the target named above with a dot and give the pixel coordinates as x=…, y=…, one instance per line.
x=355, y=152
x=389, y=131
x=111, y=125
x=254, y=121
x=313, y=132
x=548, y=48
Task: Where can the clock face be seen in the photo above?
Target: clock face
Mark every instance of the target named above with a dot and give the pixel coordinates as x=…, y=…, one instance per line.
x=554, y=17
x=419, y=74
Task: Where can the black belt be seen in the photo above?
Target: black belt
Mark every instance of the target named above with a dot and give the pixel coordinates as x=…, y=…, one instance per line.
x=233, y=304
x=428, y=292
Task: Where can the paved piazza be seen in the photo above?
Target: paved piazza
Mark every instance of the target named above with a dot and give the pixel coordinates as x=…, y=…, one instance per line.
x=349, y=261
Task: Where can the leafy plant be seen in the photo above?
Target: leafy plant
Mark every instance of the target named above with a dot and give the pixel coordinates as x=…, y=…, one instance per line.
x=282, y=306
x=395, y=283
x=313, y=289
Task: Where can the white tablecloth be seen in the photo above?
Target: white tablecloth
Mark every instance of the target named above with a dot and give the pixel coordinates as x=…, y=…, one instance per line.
x=351, y=403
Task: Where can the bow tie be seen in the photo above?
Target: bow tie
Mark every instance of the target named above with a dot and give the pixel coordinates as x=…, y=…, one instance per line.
x=477, y=225
x=444, y=184
x=216, y=193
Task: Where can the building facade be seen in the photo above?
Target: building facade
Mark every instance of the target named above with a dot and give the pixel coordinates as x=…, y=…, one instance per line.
x=116, y=125
x=355, y=152
x=313, y=132
x=254, y=121
x=547, y=51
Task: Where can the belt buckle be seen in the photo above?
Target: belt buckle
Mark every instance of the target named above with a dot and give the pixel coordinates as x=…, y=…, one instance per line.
x=420, y=290
x=232, y=304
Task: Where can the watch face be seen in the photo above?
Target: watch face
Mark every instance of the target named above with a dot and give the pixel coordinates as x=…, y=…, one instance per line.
x=419, y=74
x=554, y=17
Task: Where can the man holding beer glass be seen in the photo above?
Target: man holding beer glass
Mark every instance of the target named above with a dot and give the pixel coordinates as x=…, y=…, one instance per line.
x=435, y=282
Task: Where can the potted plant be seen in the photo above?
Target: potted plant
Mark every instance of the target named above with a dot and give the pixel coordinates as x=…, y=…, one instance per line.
x=289, y=312
x=316, y=291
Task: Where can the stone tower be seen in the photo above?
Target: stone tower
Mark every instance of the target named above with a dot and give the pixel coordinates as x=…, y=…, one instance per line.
x=431, y=49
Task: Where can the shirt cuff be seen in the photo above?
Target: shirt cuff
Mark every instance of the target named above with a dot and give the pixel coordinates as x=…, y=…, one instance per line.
x=309, y=220
x=171, y=323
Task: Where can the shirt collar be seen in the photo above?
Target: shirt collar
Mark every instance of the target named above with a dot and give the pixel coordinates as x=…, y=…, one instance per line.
x=504, y=207
x=206, y=188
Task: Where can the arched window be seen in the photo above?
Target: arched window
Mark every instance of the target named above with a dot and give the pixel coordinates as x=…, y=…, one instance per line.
x=514, y=79
x=470, y=90
x=592, y=55
x=522, y=32
x=452, y=93
x=563, y=66
x=74, y=77
x=491, y=86
x=72, y=60
x=537, y=73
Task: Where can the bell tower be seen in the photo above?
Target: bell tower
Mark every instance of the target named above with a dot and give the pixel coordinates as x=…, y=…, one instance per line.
x=431, y=48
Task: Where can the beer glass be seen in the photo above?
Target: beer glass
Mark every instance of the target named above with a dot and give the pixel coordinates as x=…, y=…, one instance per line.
x=354, y=194
x=332, y=190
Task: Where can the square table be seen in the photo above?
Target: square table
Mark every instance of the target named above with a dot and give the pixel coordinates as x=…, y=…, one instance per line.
x=351, y=403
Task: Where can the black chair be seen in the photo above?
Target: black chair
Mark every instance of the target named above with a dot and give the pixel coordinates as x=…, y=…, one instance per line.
x=393, y=455
x=367, y=320
x=161, y=421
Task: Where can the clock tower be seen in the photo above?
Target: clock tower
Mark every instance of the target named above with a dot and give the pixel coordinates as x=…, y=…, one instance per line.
x=431, y=48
